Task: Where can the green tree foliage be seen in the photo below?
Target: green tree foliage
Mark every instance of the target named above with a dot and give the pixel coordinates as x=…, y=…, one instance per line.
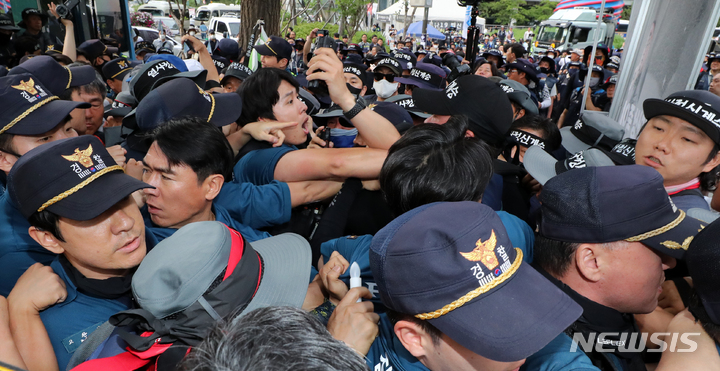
x=627, y=10
x=503, y=11
x=302, y=30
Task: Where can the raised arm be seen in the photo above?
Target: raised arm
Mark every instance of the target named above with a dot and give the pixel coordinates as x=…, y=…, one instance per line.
x=330, y=164
x=376, y=130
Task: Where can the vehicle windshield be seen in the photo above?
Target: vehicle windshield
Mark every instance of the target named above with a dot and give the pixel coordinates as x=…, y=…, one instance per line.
x=154, y=12
x=169, y=23
x=234, y=28
x=550, y=34
x=203, y=15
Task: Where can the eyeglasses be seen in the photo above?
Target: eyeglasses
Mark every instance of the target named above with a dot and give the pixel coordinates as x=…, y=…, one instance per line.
x=599, y=57
x=387, y=76
x=512, y=71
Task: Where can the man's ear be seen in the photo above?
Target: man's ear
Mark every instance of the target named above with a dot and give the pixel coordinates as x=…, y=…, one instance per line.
x=414, y=338
x=589, y=261
x=7, y=161
x=213, y=184
x=363, y=91
x=46, y=240
x=714, y=162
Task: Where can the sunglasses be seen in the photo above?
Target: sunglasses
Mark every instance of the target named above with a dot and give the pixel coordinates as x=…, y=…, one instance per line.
x=598, y=57
x=387, y=76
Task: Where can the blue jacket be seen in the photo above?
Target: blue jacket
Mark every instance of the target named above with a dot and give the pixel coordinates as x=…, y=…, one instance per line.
x=256, y=206
x=18, y=251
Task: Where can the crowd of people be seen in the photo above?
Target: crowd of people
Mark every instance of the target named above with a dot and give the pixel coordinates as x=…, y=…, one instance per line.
x=349, y=207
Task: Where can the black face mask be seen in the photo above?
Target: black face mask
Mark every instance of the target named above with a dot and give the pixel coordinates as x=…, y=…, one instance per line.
x=4, y=38
x=353, y=90
x=544, y=70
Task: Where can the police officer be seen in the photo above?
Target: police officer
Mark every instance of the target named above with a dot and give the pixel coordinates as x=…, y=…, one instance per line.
x=7, y=51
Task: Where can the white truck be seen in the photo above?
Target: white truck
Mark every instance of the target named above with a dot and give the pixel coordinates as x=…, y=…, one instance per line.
x=574, y=28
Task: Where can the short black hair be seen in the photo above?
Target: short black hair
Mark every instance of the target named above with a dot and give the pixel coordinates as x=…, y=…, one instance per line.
x=259, y=93
x=48, y=222
x=97, y=86
x=708, y=180
x=698, y=310
x=549, y=130
x=6, y=144
x=552, y=255
x=62, y=58
x=196, y=143
x=26, y=44
x=517, y=49
x=432, y=163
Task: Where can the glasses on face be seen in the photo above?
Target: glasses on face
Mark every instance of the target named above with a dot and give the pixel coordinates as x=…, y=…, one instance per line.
x=511, y=71
x=599, y=57
x=387, y=76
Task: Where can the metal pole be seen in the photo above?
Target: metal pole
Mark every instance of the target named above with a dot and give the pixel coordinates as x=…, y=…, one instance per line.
x=425, y=24
x=591, y=57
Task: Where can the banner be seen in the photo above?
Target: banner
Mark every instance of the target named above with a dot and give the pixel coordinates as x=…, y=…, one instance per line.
x=255, y=56
x=468, y=19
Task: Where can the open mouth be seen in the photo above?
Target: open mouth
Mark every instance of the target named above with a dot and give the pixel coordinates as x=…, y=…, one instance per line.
x=131, y=246
x=653, y=161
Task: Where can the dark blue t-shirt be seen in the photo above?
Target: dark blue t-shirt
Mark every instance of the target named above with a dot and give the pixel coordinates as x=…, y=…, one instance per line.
x=221, y=215
x=258, y=166
x=256, y=206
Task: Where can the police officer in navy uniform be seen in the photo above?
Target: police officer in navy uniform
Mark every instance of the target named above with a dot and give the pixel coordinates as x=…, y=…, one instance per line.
x=7, y=50
x=31, y=116
x=33, y=20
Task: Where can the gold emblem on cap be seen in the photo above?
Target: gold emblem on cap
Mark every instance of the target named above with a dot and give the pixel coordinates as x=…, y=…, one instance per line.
x=674, y=245
x=484, y=252
x=28, y=86
x=372, y=106
x=83, y=157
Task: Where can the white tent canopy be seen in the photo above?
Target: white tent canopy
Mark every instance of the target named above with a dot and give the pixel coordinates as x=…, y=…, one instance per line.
x=441, y=10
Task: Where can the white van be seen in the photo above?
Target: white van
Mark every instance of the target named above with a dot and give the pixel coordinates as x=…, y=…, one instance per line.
x=222, y=25
x=159, y=9
x=206, y=12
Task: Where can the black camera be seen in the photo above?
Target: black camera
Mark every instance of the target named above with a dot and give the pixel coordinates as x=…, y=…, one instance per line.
x=63, y=10
x=325, y=136
x=319, y=87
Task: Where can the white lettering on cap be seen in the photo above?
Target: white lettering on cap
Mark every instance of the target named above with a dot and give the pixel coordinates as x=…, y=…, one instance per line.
x=576, y=161
x=452, y=90
x=420, y=74
x=164, y=65
x=507, y=88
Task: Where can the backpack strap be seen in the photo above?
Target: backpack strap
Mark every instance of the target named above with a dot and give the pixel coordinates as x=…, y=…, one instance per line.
x=125, y=361
x=86, y=349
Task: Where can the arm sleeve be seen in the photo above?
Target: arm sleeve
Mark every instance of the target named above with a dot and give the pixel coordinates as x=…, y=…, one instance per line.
x=257, y=206
x=258, y=167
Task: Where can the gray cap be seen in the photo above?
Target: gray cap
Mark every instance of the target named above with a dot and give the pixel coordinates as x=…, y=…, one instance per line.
x=519, y=94
x=178, y=272
x=703, y=215
x=593, y=129
x=542, y=166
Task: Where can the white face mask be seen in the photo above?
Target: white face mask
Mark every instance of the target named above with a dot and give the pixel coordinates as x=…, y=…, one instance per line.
x=594, y=81
x=212, y=37
x=192, y=33
x=385, y=89
x=162, y=37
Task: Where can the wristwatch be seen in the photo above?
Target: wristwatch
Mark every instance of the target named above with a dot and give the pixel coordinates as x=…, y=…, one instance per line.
x=359, y=106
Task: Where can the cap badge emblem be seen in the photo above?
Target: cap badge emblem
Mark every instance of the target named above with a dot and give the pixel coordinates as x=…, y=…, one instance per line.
x=484, y=252
x=83, y=157
x=674, y=245
x=28, y=86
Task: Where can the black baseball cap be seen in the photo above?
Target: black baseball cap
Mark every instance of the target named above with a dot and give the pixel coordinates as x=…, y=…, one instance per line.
x=32, y=11
x=144, y=46
x=592, y=129
x=407, y=59
x=121, y=106
x=356, y=69
x=390, y=63
x=54, y=75
x=622, y=153
x=29, y=108
x=94, y=48
x=349, y=48
x=275, y=46
x=153, y=74
x=116, y=69
x=615, y=203
x=698, y=107
x=6, y=23
x=425, y=76
x=453, y=265
x=183, y=97
x=238, y=71
x=220, y=62
x=398, y=116
x=75, y=178
x=701, y=259
x=484, y=103
x=405, y=101
x=229, y=49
